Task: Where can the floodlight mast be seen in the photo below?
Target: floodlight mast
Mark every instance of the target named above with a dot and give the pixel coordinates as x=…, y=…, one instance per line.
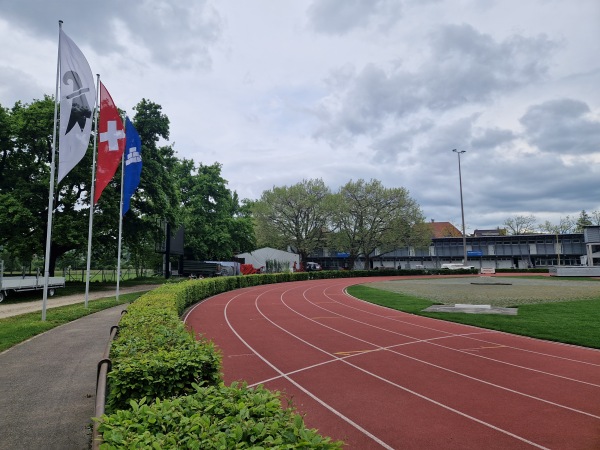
x=462, y=209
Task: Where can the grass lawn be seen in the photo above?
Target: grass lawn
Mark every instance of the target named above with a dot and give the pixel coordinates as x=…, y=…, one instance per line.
x=20, y=328
x=572, y=322
x=78, y=287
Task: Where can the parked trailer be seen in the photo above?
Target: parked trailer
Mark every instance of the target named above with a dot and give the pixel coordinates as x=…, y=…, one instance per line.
x=201, y=269
x=16, y=284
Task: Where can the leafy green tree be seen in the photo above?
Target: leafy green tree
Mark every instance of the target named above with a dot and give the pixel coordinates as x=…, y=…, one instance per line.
x=25, y=156
x=216, y=225
x=294, y=216
x=368, y=216
x=565, y=225
x=25, y=181
x=157, y=197
x=584, y=220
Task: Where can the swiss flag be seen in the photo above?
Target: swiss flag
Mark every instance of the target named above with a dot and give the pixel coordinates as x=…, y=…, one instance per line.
x=111, y=142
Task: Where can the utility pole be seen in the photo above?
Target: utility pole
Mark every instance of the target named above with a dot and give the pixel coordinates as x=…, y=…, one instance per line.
x=462, y=209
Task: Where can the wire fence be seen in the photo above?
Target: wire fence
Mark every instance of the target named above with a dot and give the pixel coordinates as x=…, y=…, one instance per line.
x=105, y=275
x=99, y=275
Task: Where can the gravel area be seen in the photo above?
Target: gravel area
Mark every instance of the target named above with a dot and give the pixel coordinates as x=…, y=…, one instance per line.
x=494, y=291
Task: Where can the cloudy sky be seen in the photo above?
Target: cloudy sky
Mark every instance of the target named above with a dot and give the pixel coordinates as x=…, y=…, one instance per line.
x=280, y=91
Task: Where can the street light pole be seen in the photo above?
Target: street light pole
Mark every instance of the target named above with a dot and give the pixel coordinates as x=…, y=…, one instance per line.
x=462, y=209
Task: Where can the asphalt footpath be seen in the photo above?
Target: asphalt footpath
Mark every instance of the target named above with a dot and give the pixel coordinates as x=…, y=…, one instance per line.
x=48, y=385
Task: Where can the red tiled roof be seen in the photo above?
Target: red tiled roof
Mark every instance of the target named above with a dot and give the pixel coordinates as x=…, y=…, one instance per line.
x=444, y=229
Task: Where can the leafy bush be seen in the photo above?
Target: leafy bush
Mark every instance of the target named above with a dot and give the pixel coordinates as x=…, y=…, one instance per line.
x=163, y=373
x=215, y=417
x=154, y=355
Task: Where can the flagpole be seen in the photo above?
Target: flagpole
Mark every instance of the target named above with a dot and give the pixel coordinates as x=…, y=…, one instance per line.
x=51, y=193
x=89, y=249
x=121, y=212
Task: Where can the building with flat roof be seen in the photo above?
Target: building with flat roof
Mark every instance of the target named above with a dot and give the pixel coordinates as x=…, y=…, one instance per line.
x=484, y=250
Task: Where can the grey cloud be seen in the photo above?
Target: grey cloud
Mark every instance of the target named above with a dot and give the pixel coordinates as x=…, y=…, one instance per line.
x=398, y=146
x=468, y=66
x=342, y=16
x=17, y=85
x=174, y=33
x=495, y=185
x=528, y=183
x=491, y=138
x=562, y=126
x=463, y=67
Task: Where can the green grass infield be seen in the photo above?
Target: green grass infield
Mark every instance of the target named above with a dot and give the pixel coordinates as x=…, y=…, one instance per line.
x=571, y=322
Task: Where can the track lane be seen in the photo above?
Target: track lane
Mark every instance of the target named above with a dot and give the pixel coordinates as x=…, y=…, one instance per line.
x=536, y=365
x=520, y=405
x=295, y=358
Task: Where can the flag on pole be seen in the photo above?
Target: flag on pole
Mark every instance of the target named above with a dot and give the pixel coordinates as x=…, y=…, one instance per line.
x=111, y=137
x=77, y=100
x=133, y=163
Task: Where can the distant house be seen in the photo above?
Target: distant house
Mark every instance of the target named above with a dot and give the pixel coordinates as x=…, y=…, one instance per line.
x=443, y=229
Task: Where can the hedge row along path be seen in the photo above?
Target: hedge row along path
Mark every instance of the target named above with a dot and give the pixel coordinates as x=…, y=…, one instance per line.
x=378, y=378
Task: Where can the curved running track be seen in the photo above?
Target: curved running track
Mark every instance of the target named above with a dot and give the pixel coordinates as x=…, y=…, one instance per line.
x=378, y=378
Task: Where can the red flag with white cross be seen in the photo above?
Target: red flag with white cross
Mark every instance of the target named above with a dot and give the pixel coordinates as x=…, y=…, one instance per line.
x=111, y=142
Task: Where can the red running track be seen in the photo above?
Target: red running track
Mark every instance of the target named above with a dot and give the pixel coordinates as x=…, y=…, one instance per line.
x=377, y=378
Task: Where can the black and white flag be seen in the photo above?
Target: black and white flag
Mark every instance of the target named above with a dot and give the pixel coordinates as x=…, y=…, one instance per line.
x=77, y=102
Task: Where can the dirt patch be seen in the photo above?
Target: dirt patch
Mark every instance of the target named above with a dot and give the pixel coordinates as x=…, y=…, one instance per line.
x=478, y=290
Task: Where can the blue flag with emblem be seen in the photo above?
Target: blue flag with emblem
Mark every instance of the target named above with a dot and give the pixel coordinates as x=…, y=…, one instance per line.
x=133, y=163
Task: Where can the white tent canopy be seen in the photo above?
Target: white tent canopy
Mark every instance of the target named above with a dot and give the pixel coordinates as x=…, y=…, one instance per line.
x=258, y=258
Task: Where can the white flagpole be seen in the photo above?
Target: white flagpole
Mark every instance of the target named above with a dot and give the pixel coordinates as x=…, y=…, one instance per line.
x=92, y=193
x=121, y=211
x=51, y=194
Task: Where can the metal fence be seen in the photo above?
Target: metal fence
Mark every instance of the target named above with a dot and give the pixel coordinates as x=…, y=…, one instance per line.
x=101, y=275
x=104, y=275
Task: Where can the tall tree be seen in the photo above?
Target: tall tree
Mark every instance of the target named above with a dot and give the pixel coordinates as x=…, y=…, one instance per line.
x=520, y=224
x=26, y=151
x=368, y=216
x=25, y=155
x=584, y=220
x=565, y=225
x=157, y=197
x=293, y=215
x=216, y=225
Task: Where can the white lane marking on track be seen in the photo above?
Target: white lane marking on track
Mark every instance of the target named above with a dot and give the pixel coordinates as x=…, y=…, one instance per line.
x=302, y=388
x=385, y=380
x=391, y=347
x=468, y=336
x=395, y=319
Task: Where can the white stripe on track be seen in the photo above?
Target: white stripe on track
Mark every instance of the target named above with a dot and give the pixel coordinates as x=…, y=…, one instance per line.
x=302, y=388
x=429, y=341
x=450, y=335
x=435, y=402
x=481, y=330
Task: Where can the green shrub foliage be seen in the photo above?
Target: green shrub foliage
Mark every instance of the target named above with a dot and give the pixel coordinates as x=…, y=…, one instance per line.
x=214, y=417
x=155, y=356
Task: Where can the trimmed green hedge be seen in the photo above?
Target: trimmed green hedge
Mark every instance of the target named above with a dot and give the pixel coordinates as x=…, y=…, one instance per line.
x=215, y=417
x=165, y=389
x=155, y=356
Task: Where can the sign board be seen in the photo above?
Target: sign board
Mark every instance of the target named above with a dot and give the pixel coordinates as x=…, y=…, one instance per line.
x=474, y=253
